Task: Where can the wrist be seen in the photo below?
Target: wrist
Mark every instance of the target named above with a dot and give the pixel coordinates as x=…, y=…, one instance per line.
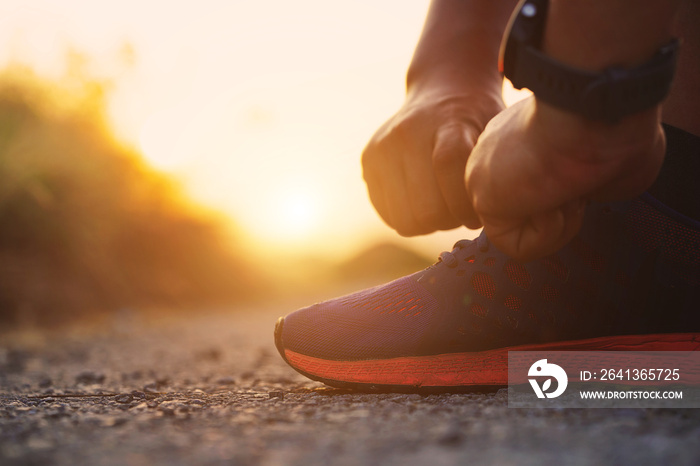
x=600, y=160
x=447, y=83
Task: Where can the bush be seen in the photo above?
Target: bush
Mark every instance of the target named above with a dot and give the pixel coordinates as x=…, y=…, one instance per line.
x=86, y=226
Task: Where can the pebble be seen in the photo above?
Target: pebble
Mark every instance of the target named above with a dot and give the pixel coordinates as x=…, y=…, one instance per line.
x=140, y=407
x=124, y=398
x=151, y=388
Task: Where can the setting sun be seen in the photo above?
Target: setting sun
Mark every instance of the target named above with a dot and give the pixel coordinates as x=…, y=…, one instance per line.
x=260, y=111
x=299, y=213
x=293, y=215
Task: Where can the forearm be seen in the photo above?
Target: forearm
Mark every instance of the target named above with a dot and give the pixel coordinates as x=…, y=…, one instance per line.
x=596, y=34
x=458, y=48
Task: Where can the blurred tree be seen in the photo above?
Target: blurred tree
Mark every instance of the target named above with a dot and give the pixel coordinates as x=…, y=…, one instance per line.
x=86, y=226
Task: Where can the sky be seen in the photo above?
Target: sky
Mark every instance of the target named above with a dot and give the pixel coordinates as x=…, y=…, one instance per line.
x=260, y=109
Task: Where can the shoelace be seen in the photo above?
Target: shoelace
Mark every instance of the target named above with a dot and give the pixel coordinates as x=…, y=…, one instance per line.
x=449, y=258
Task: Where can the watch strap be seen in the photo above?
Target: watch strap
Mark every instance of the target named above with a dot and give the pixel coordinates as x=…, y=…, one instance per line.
x=608, y=95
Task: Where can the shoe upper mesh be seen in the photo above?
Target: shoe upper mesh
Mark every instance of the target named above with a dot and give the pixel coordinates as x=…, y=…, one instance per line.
x=655, y=231
x=381, y=322
x=518, y=274
x=484, y=284
x=488, y=300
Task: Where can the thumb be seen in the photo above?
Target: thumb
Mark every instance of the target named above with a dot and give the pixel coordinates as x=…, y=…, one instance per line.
x=542, y=233
x=453, y=144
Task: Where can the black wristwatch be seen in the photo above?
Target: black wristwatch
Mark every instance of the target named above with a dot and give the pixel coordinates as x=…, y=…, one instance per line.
x=608, y=95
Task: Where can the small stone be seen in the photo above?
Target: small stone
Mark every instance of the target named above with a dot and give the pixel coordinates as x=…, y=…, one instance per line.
x=124, y=398
x=140, y=407
x=170, y=408
x=277, y=394
x=151, y=388
x=162, y=382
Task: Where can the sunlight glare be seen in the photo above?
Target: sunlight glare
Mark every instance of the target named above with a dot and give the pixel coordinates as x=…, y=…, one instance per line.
x=260, y=109
x=287, y=217
x=512, y=95
x=299, y=213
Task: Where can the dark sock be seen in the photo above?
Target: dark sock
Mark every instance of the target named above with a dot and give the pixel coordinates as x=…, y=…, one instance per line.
x=678, y=184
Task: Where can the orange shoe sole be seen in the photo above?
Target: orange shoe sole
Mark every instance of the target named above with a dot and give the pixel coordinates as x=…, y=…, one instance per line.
x=463, y=371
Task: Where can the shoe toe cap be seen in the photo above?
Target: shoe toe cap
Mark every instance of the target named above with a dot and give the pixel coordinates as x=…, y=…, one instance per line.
x=383, y=322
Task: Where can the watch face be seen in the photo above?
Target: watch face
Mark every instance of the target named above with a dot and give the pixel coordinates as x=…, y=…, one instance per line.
x=525, y=29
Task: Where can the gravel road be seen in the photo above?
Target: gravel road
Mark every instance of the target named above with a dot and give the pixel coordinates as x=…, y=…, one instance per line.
x=210, y=389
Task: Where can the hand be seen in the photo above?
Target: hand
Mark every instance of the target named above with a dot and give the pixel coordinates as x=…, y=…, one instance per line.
x=535, y=168
x=414, y=164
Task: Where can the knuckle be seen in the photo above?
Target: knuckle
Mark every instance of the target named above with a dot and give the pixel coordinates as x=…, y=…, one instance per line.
x=388, y=147
x=402, y=132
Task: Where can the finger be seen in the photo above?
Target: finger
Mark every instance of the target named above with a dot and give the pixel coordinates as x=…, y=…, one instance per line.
x=541, y=234
x=453, y=144
x=373, y=182
x=377, y=197
x=400, y=212
x=424, y=196
x=383, y=174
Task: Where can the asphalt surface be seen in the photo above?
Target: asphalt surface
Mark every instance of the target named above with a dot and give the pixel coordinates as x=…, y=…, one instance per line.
x=210, y=389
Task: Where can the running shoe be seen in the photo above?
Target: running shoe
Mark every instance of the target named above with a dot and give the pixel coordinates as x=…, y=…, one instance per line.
x=629, y=280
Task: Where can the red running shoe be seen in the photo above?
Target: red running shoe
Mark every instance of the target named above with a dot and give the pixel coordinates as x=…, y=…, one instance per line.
x=629, y=280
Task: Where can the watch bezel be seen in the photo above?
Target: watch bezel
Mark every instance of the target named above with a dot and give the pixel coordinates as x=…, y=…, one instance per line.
x=522, y=31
